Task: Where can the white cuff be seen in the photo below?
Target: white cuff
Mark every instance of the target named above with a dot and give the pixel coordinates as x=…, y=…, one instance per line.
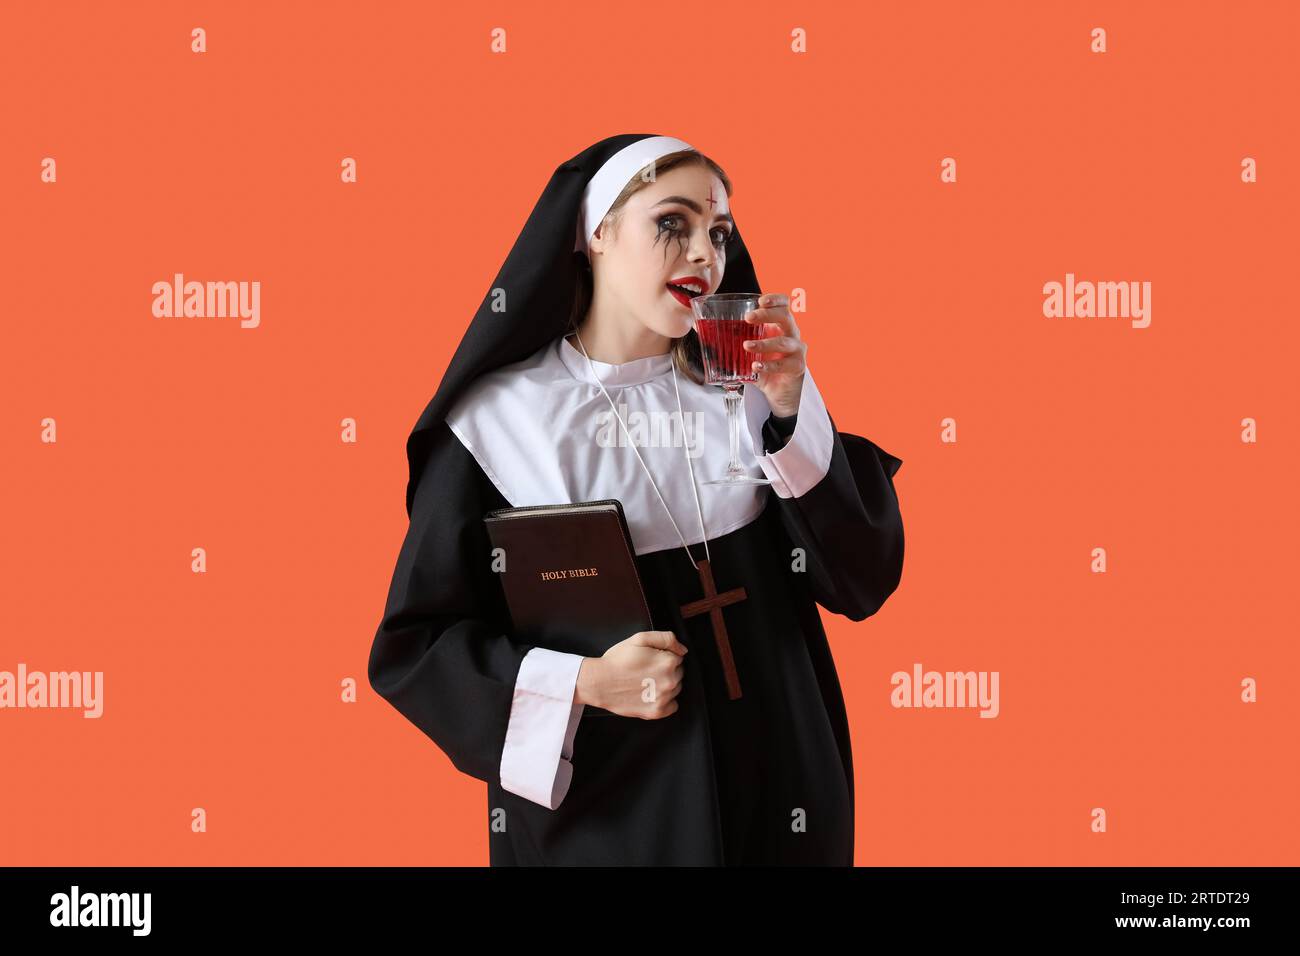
x=806, y=457
x=543, y=723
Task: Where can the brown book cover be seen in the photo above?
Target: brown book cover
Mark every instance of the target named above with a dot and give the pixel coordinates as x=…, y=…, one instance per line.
x=570, y=576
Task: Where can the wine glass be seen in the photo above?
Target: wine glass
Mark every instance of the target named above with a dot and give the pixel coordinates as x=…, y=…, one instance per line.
x=719, y=322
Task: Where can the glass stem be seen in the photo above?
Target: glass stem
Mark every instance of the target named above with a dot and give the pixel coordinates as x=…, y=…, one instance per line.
x=733, y=399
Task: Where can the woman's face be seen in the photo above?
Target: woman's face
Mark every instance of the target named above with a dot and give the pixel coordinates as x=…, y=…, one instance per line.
x=673, y=230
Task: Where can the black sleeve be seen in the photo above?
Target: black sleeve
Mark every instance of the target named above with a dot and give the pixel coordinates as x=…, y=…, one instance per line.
x=442, y=656
x=781, y=429
x=849, y=524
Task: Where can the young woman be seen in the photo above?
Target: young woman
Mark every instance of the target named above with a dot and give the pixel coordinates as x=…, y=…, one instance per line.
x=586, y=325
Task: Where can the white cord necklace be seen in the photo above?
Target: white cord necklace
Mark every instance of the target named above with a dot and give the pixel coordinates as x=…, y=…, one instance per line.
x=713, y=601
x=682, y=422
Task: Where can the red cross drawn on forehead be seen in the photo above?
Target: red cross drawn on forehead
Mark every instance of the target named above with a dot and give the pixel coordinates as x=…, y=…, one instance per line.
x=694, y=206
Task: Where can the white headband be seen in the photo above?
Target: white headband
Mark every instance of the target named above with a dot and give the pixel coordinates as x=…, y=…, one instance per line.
x=617, y=172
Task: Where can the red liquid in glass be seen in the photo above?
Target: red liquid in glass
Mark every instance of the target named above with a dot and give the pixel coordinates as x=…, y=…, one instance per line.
x=722, y=344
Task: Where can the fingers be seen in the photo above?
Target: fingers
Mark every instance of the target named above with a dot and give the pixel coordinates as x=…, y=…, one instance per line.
x=667, y=686
x=779, y=355
x=664, y=640
x=778, y=343
x=781, y=318
x=774, y=309
x=792, y=364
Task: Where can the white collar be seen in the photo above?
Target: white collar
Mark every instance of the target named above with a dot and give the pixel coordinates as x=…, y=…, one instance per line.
x=533, y=428
x=635, y=372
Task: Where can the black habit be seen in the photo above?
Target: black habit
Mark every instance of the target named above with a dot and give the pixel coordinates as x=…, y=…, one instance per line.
x=765, y=778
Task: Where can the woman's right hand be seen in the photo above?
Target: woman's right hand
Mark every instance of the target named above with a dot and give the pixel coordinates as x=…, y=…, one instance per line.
x=615, y=681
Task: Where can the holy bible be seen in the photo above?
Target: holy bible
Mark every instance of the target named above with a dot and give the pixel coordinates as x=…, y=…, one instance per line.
x=570, y=577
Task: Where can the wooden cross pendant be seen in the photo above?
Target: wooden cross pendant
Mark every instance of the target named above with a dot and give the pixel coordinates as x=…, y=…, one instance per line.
x=713, y=602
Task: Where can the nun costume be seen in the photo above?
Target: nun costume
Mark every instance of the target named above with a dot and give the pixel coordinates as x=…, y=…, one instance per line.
x=765, y=777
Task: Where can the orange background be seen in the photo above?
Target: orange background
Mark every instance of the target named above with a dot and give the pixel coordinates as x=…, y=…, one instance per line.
x=1118, y=690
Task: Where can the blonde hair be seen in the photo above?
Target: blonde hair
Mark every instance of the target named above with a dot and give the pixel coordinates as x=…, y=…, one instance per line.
x=686, y=350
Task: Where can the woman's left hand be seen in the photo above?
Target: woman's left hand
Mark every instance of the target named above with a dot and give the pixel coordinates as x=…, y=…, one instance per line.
x=782, y=355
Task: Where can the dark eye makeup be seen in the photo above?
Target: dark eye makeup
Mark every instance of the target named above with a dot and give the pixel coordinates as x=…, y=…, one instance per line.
x=718, y=241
